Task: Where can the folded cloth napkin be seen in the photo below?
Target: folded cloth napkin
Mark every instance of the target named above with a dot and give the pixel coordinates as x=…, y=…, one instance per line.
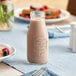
x=46, y=73
x=57, y=35
x=54, y=33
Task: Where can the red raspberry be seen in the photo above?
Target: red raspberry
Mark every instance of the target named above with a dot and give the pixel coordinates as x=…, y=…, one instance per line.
x=45, y=7
x=31, y=7
x=41, y=9
x=6, y=49
x=27, y=16
x=2, y=0
x=20, y=14
x=59, y=11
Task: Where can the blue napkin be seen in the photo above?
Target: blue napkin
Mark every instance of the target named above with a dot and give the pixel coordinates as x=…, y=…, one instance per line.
x=57, y=35
x=54, y=33
x=47, y=73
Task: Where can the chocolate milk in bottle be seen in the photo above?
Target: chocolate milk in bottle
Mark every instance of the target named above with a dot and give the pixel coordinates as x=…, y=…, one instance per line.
x=37, y=39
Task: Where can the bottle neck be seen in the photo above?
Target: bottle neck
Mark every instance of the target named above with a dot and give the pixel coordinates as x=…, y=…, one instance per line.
x=37, y=15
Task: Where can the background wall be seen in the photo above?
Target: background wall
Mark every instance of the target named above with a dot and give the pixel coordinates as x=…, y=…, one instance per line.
x=55, y=3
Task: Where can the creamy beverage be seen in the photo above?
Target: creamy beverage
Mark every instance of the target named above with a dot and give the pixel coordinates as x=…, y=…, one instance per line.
x=37, y=39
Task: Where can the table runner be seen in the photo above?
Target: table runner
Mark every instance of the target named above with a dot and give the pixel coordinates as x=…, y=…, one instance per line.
x=61, y=59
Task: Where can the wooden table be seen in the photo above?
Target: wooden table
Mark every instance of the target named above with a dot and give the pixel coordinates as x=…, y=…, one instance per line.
x=7, y=70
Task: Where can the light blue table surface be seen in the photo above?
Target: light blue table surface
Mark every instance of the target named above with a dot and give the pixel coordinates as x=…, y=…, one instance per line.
x=61, y=60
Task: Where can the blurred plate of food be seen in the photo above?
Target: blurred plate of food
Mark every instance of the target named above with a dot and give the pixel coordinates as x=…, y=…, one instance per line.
x=52, y=15
x=6, y=51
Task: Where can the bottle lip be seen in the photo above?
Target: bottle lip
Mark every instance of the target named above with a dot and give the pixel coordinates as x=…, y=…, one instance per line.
x=37, y=14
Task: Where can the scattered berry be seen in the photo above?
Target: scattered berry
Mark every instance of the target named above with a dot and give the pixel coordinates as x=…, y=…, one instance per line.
x=6, y=49
x=48, y=13
x=2, y=0
x=20, y=14
x=45, y=7
x=5, y=53
x=27, y=16
x=41, y=9
x=59, y=11
x=32, y=7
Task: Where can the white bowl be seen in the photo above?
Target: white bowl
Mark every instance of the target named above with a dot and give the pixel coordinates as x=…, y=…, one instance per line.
x=11, y=49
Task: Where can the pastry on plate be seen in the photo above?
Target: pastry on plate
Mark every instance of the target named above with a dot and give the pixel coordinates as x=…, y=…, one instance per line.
x=50, y=13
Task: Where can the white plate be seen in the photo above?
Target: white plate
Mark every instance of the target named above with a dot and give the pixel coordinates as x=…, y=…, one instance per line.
x=64, y=15
x=11, y=49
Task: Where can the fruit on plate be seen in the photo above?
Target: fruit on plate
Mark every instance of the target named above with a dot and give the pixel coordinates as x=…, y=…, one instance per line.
x=2, y=0
x=45, y=7
x=32, y=7
x=50, y=13
x=4, y=51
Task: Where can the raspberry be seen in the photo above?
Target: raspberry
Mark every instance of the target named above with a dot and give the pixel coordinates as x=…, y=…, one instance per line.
x=20, y=14
x=27, y=16
x=45, y=7
x=41, y=9
x=6, y=49
x=59, y=11
x=48, y=13
x=31, y=7
x=2, y=0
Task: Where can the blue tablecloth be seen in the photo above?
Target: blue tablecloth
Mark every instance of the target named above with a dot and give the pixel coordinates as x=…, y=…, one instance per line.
x=61, y=60
x=46, y=73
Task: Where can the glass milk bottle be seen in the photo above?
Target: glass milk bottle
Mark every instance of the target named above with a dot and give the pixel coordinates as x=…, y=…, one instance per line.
x=37, y=39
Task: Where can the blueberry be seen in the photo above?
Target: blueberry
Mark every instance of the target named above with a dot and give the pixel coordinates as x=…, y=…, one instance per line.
x=34, y=8
x=48, y=13
x=5, y=53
